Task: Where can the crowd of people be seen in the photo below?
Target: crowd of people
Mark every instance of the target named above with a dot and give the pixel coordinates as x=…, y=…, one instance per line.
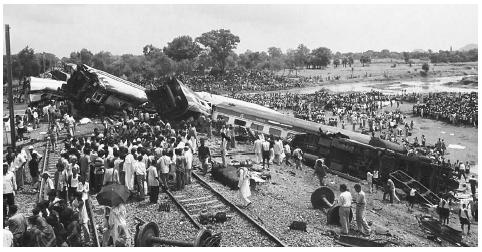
x=143, y=153
x=241, y=80
x=453, y=108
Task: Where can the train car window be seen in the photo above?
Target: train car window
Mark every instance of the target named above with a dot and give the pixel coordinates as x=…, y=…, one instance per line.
x=239, y=122
x=97, y=97
x=275, y=132
x=257, y=127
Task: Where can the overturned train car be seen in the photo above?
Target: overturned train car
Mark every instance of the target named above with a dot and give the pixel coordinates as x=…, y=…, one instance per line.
x=174, y=101
x=356, y=159
x=93, y=91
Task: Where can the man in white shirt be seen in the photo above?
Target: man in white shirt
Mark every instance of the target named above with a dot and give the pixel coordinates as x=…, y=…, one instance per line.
x=376, y=180
x=370, y=181
x=189, y=157
x=287, y=150
x=129, y=169
x=278, y=149
x=17, y=167
x=163, y=164
x=361, y=203
x=345, y=208
x=258, y=149
x=140, y=170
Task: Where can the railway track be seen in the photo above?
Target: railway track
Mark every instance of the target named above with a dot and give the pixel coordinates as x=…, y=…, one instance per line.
x=50, y=160
x=199, y=199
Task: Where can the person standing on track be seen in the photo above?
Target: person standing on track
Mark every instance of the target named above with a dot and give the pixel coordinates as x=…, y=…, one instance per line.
x=180, y=163
x=204, y=155
x=153, y=182
x=243, y=184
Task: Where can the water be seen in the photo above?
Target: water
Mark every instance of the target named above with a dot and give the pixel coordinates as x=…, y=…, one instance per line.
x=391, y=87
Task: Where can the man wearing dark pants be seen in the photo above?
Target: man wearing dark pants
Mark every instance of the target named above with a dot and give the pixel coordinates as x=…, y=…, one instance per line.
x=265, y=151
x=204, y=154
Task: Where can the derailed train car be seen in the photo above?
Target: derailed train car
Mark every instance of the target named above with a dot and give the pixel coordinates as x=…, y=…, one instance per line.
x=42, y=90
x=93, y=91
x=174, y=101
x=345, y=151
x=356, y=159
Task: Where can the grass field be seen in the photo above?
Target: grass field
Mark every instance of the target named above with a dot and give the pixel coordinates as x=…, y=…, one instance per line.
x=385, y=71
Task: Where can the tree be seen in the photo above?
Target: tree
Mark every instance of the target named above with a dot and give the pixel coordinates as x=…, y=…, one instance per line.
x=344, y=61
x=291, y=60
x=365, y=59
x=103, y=61
x=336, y=62
x=425, y=67
x=276, y=59
x=156, y=63
x=82, y=57
x=321, y=57
x=220, y=44
x=275, y=52
x=301, y=56
x=350, y=61
x=406, y=57
x=182, y=48
x=27, y=64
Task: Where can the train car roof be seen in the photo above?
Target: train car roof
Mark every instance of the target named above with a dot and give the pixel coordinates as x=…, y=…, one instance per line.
x=43, y=84
x=117, y=85
x=296, y=123
x=219, y=99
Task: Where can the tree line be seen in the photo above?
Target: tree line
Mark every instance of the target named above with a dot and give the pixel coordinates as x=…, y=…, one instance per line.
x=213, y=51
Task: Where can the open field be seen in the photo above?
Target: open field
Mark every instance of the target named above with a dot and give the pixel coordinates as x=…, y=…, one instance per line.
x=385, y=71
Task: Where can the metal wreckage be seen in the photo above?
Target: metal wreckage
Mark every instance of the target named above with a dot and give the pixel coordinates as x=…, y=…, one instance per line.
x=348, y=153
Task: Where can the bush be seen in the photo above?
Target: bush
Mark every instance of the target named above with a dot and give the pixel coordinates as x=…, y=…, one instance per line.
x=425, y=67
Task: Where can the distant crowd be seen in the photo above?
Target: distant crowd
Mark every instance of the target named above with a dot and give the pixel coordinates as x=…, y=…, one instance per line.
x=453, y=108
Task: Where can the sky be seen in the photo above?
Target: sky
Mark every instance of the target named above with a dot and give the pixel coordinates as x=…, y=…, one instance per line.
x=126, y=29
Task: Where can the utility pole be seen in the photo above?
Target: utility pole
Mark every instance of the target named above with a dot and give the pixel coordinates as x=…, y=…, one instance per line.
x=10, y=91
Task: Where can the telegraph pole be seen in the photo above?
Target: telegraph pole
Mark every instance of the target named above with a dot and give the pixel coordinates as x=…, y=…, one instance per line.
x=10, y=91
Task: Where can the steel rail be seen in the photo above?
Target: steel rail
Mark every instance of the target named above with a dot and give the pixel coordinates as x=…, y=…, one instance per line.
x=184, y=210
x=270, y=235
x=45, y=158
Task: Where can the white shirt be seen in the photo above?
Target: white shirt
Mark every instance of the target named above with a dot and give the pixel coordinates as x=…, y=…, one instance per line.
x=287, y=149
x=164, y=162
x=7, y=238
x=369, y=177
x=17, y=162
x=345, y=199
x=258, y=145
x=412, y=192
x=188, y=155
x=265, y=146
